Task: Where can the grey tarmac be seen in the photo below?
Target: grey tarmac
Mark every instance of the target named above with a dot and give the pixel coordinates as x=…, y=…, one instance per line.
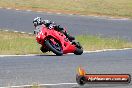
x=18, y=20
x=50, y=69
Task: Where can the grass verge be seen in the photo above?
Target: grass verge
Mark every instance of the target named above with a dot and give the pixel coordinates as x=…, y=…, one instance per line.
x=118, y=8
x=98, y=43
x=18, y=43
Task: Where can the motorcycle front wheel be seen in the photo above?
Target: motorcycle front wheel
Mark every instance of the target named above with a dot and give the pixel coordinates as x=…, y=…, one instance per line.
x=79, y=49
x=55, y=48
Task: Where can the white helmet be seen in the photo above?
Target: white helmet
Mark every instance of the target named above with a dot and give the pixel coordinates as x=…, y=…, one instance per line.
x=37, y=21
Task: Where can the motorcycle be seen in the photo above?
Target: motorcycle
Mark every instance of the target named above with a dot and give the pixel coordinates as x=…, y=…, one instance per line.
x=57, y=42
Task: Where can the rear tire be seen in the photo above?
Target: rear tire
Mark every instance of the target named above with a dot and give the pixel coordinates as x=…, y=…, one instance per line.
x=51, y=48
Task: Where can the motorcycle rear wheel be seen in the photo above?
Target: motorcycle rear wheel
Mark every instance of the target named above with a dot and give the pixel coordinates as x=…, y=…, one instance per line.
x=53, y=49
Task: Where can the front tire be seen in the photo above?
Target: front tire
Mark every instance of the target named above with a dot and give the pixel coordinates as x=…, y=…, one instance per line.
x=78, y=51
x=53, y=49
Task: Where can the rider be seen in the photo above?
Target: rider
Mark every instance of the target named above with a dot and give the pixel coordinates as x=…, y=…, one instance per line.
x=38, y=22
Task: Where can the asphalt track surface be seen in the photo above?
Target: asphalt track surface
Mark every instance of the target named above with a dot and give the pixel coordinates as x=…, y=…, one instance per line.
x=22, y=21
x=46, y=69
x=62, y=69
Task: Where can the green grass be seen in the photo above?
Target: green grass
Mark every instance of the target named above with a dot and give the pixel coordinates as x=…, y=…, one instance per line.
x=97, y=43
x=118, y=8
x=18, y=43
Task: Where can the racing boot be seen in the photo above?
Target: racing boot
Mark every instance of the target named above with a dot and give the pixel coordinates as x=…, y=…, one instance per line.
x=71, y=38
x=44, y=50
x=78, y=45
x=59, y=28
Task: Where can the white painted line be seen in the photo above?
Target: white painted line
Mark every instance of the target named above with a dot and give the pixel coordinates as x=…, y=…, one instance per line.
x=29, y=10
x=23, y=32
x=8, y=8
x=70, y=14
x=49, y=12
x=57, y=84
x=125, y=19
x=18, y=55
x=39, y=11
x=96, y=51
x=82, y=15
x=30, y=33
x=108, y=17
x=96, y=16
x=17, y=9
x=15, y=31
x=119, y=19
x=58, y=13
x=104, y=50
x=6, y=30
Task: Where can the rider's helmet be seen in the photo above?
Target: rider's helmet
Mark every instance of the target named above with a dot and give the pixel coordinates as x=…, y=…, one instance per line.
x=37, y=21
x=47, y=22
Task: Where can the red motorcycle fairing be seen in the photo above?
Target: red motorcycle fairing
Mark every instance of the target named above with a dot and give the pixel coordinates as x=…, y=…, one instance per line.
x=45, y=33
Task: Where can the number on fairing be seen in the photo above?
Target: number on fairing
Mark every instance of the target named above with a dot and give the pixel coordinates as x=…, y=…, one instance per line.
x=39, y=34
